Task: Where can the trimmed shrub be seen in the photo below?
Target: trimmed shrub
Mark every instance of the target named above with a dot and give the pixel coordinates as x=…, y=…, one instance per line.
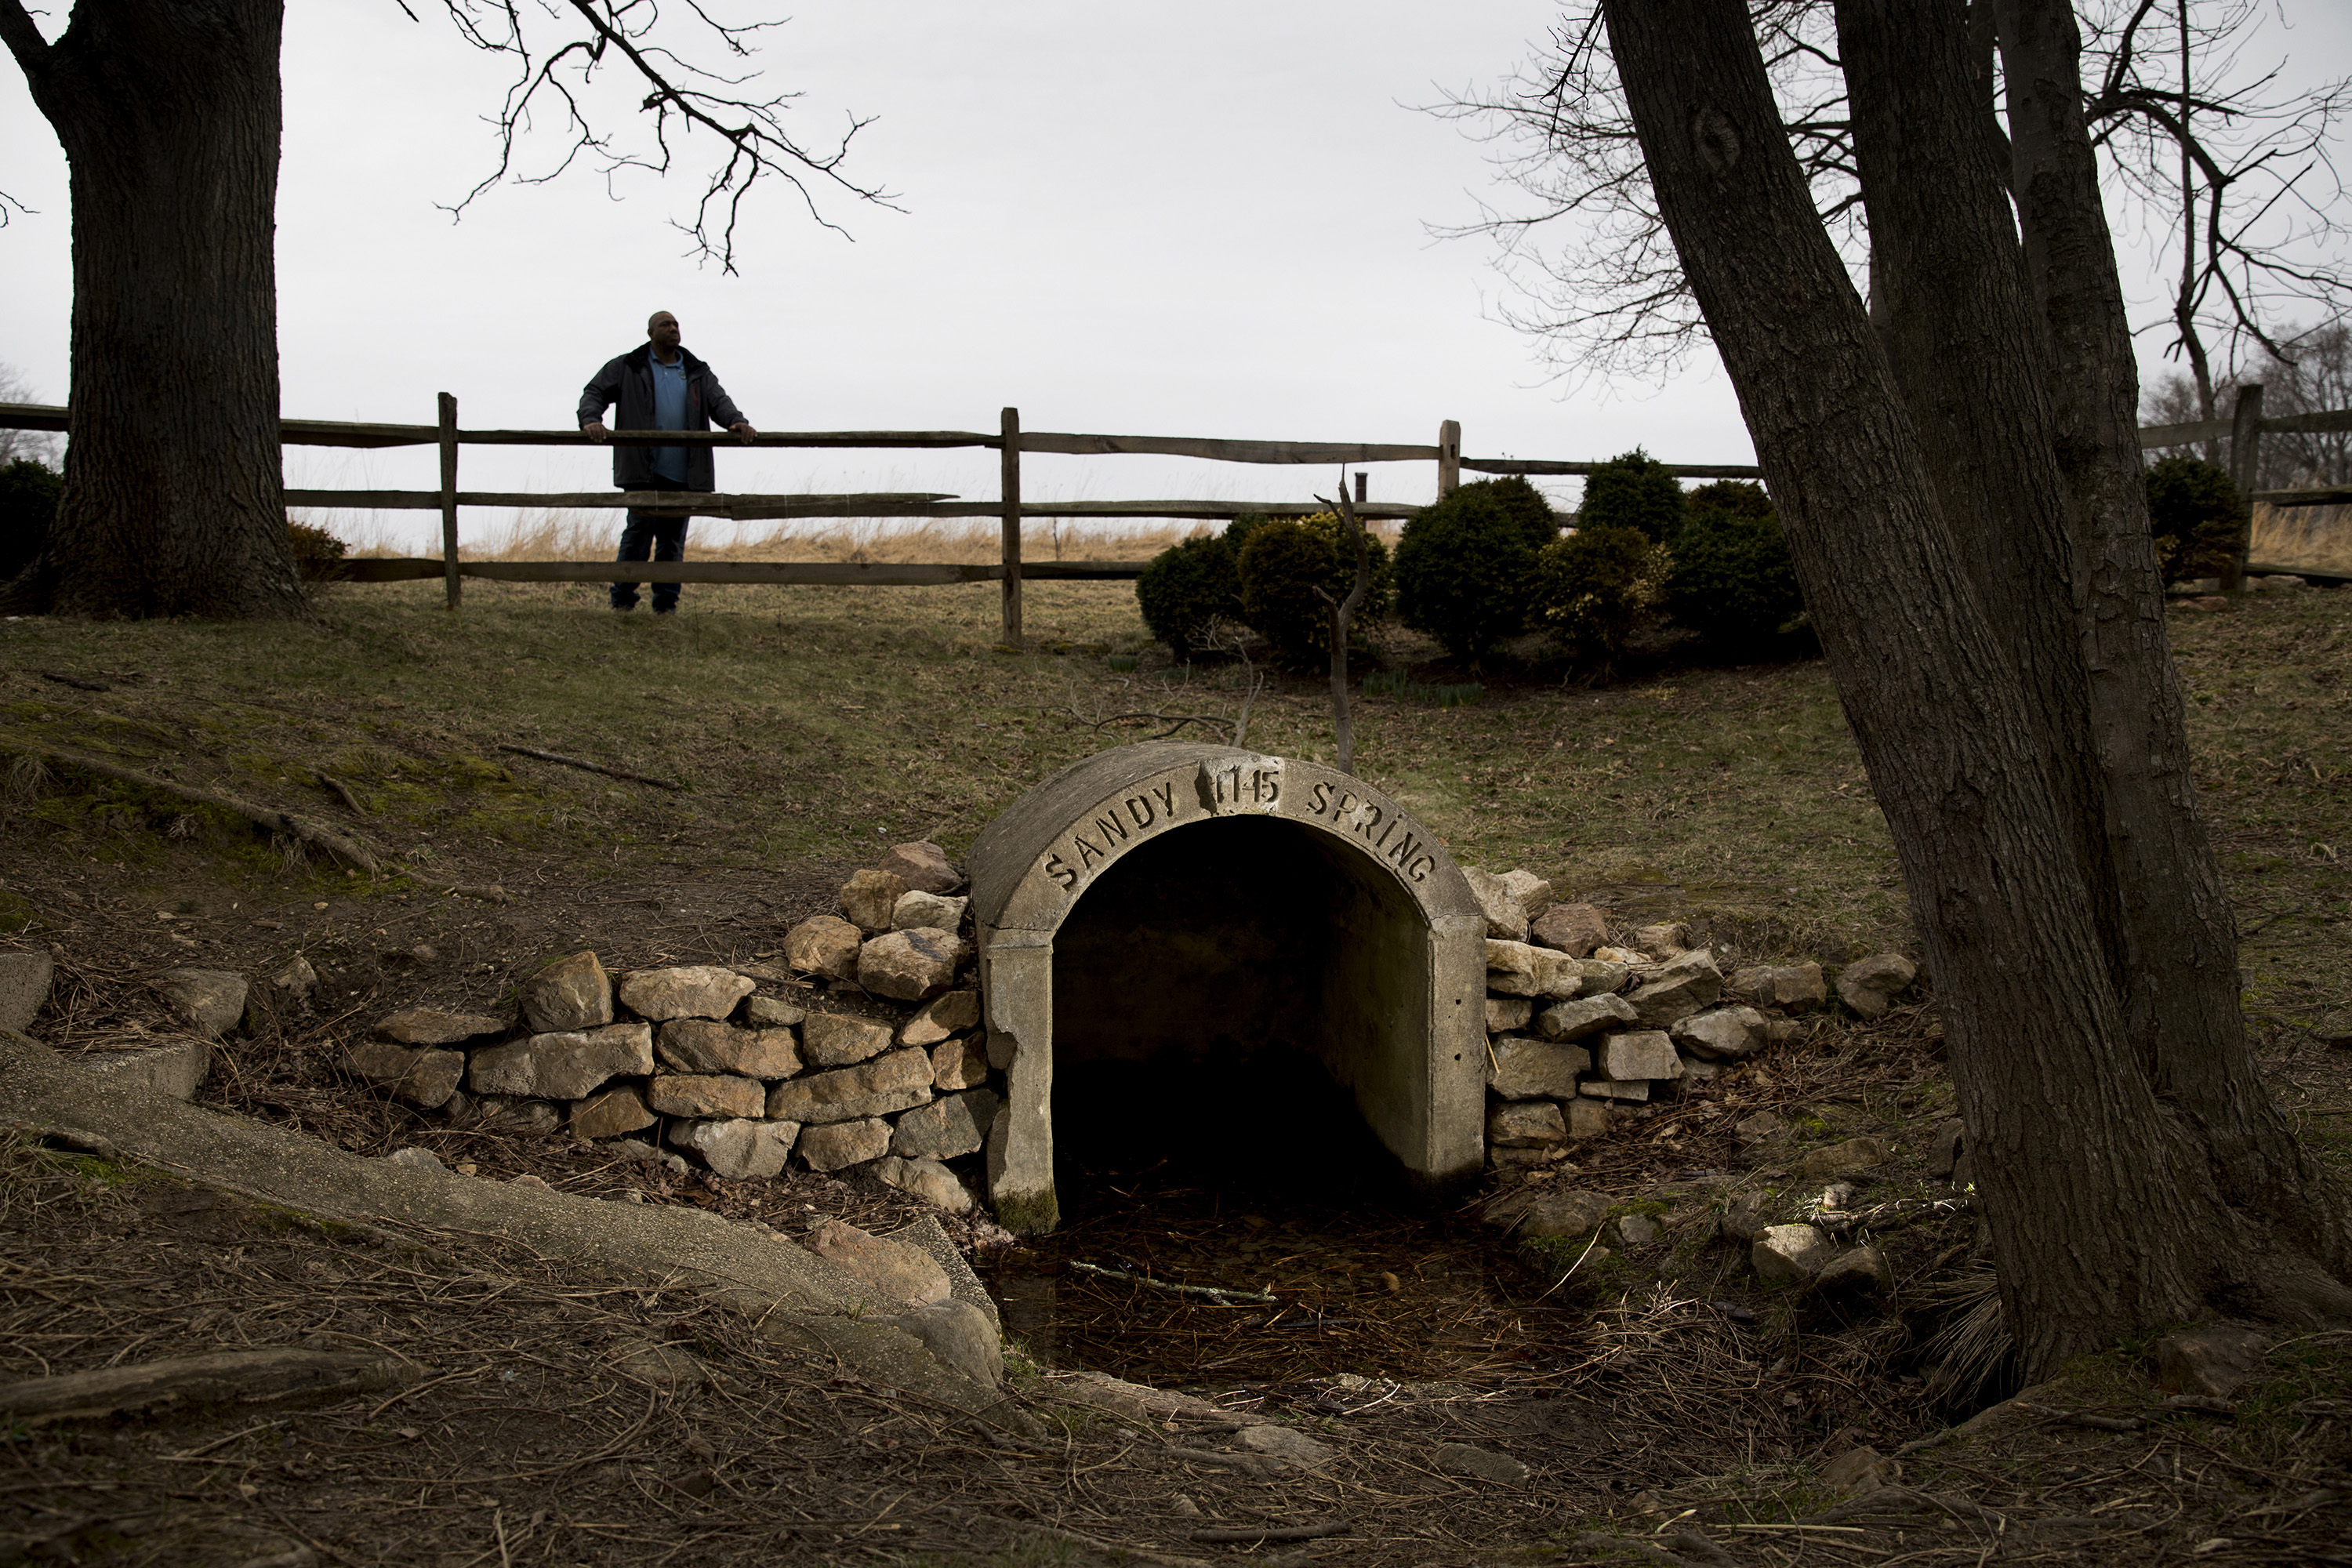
x=1186, y=587
x=1593, y=586
x=1466, y=564
x=2195, y=516
x=29, y=505
x=1635, y=491
x=317, y=552
x=1284, y=560
x=1733, y=582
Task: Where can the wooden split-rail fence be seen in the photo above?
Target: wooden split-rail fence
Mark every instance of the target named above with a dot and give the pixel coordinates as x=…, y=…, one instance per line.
x=2242, y=431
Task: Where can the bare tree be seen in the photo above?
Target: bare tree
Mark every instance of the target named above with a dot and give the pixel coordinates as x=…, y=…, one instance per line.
x=170, y=115
x=1593, y=275
x=1343, y=612
x=2310, y=372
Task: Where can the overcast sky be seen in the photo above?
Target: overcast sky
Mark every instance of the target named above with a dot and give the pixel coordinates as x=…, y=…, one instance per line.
x=1206, y=219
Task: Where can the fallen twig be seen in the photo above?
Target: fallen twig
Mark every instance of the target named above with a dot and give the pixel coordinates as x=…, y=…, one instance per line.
x=343, y=789
x=1272, y=1532
x=1174, y=722
x=75, y=681
x=1212, y=1292
x=276, y=821
x=2081, y=1417
x=592, y=767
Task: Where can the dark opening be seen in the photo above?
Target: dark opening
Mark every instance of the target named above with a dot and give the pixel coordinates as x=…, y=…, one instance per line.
x=1207, y=990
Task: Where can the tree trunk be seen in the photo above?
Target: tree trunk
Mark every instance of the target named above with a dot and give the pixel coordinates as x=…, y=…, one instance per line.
x=2181, y=964
x=2104, y=1216
x=169, y=113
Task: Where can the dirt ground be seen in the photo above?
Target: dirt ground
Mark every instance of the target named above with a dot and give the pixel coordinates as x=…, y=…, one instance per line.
x=1669, y=1410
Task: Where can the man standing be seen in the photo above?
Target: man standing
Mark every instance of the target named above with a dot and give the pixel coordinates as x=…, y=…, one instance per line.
x=659, y=386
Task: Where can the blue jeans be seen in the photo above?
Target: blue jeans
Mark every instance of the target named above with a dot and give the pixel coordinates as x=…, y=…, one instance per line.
x=646, y=536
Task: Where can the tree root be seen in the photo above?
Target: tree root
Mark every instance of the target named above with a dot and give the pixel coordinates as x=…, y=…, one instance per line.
x=299, y=828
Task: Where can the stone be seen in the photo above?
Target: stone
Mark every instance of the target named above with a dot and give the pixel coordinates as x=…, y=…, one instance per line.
x=837, y=1040
x=295, y=979
x=708, y=1046
x=899, y=1080
x=1860, y=1276
x=1670, y=938
x=1507, y=919
x=837, y=1145
x=868, y=897
x=657, y=1365
x=1640, y=1054
x=1945, y=1149
x=1526, y=1124
x=1602, y=974
x=1568, y=1213
x=1761, y=1128
x=424, y=1077
x=949, y=1014
x=1721, y=1034
x=1286, y=1444
x=687, y=991
x=1636, y=1229
x=1521, y=1068
x=960, y=1335
x=1585, y=1118
x=1573, y=928
x=922, y=865
x=432, y=1027
x=24, y=977
x=1782, y=1031
x=1850, y=1158
x=2215, y=1363
x=896, y=1273
x=1790, y=1254
x=1797, y=987
x=1869, y=985
x=1859, y=1471
x=566, y=1066
x=1481, y=1463
x=209, y=1001
x=573, y=992
x=1697, y=1069
x=608, y=1115
x=916, y=909
x=738, y=1147
x=521, y=1115
x=1504, y=1014
x=959, y=1064
x=1742, y=1219
x=1521, y=969
x=1631, y=957
x=1584, y=1016
x=952, y=1125
x=926, y=1179
x=1533, y=892
x=1683, y=985
x=910, y=965
x=416, y=1160
x=1606, y=1089
x=826, y=945
x=177, y=1069
x=771, y=1012
x=721, y=1095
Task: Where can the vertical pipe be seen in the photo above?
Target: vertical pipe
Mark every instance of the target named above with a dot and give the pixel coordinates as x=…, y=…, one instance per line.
x=2245, y=469
x=1449, y=457
x=449, y=497
x=1011, y=514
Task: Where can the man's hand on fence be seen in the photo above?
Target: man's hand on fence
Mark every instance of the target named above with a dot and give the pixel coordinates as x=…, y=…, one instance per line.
x=743, y=431
x=595, y=430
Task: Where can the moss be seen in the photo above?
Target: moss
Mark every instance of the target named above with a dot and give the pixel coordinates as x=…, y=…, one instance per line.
x=1034, y=1213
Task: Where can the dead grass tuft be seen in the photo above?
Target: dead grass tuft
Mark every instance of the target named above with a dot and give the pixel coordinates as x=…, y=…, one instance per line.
x=2315, y=536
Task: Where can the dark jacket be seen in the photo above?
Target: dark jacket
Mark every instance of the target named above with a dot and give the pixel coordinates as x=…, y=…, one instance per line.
x=629, y=382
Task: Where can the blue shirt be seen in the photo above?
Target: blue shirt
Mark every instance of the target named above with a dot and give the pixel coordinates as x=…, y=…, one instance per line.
x=669, y=414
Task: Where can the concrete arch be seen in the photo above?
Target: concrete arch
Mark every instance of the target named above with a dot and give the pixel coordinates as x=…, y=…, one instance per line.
x=1406, y=958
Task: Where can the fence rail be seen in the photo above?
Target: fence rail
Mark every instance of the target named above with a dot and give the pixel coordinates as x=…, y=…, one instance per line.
x=2243, y=431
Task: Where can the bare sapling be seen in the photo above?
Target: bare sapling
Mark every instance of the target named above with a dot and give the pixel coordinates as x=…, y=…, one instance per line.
x=1343, y=719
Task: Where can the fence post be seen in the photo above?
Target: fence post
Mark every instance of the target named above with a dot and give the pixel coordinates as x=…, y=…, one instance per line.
x=1011, y=514
x=449, y=498
x=2245, y=459
x=1449, y=457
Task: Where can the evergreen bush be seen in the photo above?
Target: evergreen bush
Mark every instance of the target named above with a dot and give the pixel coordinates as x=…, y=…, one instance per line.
x=2196, y=517
x=1185, y=588
x=1593, y=586
x=1466, y=564
x=1632, y=490
x=317, y=552
x=1733, y=581
x=1284, y=560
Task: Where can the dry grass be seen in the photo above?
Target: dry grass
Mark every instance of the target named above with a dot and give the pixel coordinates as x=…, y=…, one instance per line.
x=2317, y=536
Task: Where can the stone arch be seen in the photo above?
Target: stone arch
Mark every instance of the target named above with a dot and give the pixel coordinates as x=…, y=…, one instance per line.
x=1407, y=966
